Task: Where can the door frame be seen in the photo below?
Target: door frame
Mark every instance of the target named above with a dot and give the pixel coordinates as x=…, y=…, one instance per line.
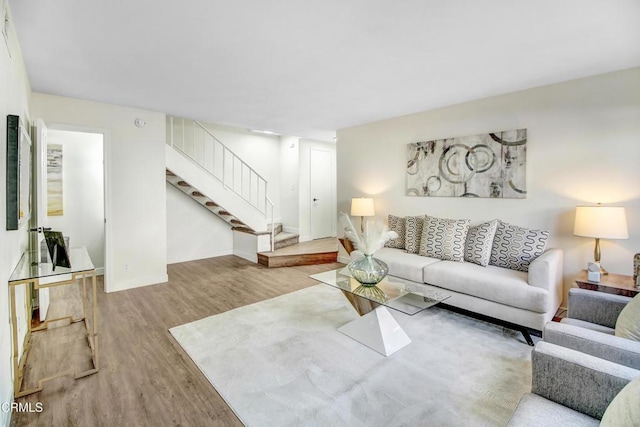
x=333, y=190
x=106, y=170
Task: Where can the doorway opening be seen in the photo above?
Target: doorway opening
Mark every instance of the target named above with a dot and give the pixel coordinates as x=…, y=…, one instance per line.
x=69, y=195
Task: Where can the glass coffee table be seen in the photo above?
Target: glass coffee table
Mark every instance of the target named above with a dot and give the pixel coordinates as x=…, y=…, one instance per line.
x=376, y=328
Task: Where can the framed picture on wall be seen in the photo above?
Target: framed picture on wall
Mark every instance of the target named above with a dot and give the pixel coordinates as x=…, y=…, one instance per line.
x=18, y=173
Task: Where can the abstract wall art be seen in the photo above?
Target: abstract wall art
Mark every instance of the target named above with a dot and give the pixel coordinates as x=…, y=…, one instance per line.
x=486, y=165
x=54, y=180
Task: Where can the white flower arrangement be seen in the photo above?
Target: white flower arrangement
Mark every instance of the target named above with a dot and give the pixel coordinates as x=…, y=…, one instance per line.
x=374, y=236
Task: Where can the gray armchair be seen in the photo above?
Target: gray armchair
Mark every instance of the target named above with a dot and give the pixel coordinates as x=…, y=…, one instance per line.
x=589, y=328
x=569, y=388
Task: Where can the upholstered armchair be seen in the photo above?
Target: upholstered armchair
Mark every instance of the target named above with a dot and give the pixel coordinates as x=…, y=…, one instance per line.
x=599, y=324
x=570, y=388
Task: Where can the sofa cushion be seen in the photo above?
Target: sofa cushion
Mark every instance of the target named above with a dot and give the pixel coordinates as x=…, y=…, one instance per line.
x=397, y=224
x=628, y=323
x=515, y=247
x=477, y=248
x=444, y=238
x=534, y=410
x=404, y=265
x=413, y=232
x=501, y=285
x=588, y=325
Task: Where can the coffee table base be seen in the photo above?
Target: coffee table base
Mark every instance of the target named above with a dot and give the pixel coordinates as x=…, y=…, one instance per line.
x=378, y=330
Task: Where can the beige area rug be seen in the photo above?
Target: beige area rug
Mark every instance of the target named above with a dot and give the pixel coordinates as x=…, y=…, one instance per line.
x=281, y=362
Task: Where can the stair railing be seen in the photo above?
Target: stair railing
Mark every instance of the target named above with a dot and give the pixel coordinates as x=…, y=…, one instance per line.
x=273, y=229
x=199, y=145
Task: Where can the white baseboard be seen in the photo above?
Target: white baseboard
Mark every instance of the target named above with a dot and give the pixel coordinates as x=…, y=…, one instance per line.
x=138, y=282
x=100, y=271
x=305, y=239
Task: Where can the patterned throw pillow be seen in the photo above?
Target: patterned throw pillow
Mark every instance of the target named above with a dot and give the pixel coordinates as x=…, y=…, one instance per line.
x=444, y=238
x=397, y=224
x=515, y=247
x=413, y=231
x=477, y=249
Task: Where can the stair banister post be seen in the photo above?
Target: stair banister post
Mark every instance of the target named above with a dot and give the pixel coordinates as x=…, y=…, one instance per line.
x=273, y=235
x=171, y=130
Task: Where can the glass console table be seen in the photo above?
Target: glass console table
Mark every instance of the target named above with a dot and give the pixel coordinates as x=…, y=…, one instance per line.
x=376, y=328
x=30, y=270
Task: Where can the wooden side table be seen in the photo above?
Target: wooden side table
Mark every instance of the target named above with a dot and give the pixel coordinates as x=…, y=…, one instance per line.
x=347, y=245
x=610, y=283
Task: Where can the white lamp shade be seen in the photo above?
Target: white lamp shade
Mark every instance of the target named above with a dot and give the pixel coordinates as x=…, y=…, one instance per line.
x=362, y=206
x=602, y=222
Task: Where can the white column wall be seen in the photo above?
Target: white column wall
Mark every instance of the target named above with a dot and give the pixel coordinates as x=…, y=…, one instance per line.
x=135, y=191
x=289, y=186
x=582, y=148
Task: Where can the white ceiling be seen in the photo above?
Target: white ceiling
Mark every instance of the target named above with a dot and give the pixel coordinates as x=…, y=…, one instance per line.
x=310, y=67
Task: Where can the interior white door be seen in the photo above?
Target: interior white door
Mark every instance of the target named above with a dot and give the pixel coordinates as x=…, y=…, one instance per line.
x=40, y=205
x=322, y=193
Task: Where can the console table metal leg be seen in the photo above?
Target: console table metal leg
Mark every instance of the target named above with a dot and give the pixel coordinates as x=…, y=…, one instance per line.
x=14, y=333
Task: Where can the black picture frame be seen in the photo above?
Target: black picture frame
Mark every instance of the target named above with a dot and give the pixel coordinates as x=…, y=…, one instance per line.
x=18, y=192
x=57, y=249
x=13, y=171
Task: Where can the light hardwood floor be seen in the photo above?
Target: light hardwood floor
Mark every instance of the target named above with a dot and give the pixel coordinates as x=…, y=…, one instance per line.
x=145, y=377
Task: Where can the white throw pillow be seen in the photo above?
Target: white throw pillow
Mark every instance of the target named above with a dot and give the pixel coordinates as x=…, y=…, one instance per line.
x=624, y=409
x=628, y=323
x=477, y=249
x=444, y=238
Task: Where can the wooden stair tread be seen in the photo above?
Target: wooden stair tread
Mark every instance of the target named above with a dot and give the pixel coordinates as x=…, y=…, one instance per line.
x=321, y=251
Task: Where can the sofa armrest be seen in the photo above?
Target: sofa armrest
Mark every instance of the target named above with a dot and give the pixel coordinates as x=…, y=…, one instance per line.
x=576, y=380
x=546, y=272
x=609, y=347
x=596, y=307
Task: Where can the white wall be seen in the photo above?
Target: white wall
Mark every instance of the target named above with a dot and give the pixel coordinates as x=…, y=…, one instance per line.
x=82, y=191
x=193, y=232
x=14, y=97
x=135, y=191
x=583, y=147
x=289, y=186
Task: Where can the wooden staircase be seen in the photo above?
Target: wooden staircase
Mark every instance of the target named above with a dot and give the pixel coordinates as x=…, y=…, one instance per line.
x=321, y=251
x=203, y=200
x=282, y=239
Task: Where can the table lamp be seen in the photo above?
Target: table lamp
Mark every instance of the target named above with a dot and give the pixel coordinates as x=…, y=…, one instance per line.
x=600, y=222
x=362, y=206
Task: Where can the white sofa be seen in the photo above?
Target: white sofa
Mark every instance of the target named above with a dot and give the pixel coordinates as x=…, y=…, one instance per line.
x=524, y=299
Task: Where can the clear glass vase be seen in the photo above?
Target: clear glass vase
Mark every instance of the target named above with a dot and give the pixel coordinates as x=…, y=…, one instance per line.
x=368, y=271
